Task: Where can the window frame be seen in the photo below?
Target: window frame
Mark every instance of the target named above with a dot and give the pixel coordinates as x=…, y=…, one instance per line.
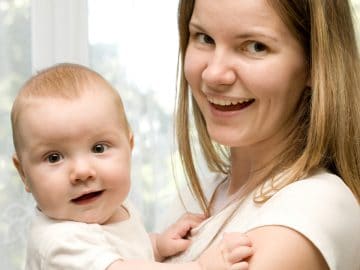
x=59, y=32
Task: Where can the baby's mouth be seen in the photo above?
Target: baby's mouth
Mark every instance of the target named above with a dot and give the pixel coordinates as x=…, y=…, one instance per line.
x=87, y=197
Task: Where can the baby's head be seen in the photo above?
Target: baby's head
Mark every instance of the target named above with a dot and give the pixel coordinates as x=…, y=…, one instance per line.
x=73, y=144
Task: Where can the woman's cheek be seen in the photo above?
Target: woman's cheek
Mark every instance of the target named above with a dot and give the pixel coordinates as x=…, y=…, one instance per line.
x=193, y=65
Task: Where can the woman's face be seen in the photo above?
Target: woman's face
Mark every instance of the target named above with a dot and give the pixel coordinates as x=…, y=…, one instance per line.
x=246, y=71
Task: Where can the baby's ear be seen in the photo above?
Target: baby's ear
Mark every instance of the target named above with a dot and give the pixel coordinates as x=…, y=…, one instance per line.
x=131, y=140
x=18, y=166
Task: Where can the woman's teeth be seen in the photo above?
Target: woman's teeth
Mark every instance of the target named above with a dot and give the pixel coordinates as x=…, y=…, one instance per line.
x=230, y=105
x=224, y=102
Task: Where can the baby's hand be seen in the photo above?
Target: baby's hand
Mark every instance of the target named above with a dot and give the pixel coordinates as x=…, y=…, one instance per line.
x=230, y=254
x=174, y=239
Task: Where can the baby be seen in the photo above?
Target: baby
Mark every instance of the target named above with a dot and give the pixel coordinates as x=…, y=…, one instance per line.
x=73, y=149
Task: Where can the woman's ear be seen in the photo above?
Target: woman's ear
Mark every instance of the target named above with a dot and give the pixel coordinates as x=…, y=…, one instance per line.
x=19, y=168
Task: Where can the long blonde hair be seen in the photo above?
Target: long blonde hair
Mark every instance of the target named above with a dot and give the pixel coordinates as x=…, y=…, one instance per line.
x=327, y=133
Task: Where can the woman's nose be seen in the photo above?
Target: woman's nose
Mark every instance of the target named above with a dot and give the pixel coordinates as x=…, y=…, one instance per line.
x=219, y=70
x=82, y=171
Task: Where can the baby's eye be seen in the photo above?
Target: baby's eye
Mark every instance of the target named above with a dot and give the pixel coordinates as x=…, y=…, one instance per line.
x=203, y=38
x=99, y=148
x=255, y=47
x=53, y=158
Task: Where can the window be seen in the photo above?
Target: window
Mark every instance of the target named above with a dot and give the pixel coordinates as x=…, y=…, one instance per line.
x=134, y=45
x=15, y=67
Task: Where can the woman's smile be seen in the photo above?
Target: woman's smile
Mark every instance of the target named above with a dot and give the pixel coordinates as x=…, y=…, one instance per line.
x=230, y=105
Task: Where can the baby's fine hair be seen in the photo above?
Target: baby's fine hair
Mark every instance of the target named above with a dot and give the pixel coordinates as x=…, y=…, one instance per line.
x=64, y=81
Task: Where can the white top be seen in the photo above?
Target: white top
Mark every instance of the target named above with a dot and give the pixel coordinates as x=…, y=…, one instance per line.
x=321, y=207
x=55, y=245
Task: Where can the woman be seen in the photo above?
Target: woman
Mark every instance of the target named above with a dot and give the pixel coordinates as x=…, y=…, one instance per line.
x=274, y=90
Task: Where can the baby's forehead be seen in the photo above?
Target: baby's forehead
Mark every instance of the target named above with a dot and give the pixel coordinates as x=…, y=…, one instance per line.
x=93, y=92
x=55, y=119
x=91, y=101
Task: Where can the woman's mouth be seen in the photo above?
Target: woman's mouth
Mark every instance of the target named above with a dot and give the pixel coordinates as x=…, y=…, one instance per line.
x=229, y=105
x=87, y=197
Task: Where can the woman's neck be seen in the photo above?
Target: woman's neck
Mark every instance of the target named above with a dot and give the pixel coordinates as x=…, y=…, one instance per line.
x=252, y=165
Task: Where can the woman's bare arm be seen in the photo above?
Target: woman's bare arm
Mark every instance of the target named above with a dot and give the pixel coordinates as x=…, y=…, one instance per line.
x=281, y=248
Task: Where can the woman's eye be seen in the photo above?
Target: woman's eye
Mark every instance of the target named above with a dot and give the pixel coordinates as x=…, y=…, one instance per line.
x=99, y=148
x=203, y=38
x=53, y=158
x=255, y=47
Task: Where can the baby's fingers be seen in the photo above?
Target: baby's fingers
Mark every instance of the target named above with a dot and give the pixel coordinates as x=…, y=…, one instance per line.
x=239, y=254
x=235, y=248
x=194, y=218
x=186, y=223
x=240, y=266
x=235, y=239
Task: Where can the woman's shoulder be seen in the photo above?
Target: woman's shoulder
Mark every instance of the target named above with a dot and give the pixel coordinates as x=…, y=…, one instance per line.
x=324, y=180
x=324, y=210
x=321, y=202
x=322, y=190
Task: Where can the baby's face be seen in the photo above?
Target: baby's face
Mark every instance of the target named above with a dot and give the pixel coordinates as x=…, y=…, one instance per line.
x=75, y=157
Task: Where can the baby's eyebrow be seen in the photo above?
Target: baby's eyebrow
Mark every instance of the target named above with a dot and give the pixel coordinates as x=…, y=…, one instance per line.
x=42, y=146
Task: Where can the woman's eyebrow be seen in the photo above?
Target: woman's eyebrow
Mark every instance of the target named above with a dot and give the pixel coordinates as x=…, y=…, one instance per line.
x=245, y=35
x=196, y=26
x=249, y=35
